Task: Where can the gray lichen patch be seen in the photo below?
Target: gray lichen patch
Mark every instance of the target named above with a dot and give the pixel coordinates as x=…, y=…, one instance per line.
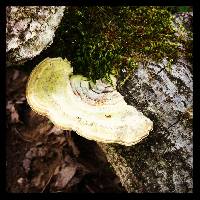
x=29, y=30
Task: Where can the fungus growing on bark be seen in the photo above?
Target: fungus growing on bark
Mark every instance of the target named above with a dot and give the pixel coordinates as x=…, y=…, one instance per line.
x=95, y=111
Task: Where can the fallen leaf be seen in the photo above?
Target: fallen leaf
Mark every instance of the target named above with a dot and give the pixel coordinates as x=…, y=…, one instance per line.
x=35, y=125
x=38, y=181
x=90, y=189
x=31, y=153
x=55, y=130
x=42, y=151
x=26, y=165
x=65, y=175
x=15, y=75
x=81, y=171
x=56, y=170
x=71, y=143
x=21, y=99
x=9, y=105
x=20, y=181
x=60, y=140
x=14, y=116
x=68, y=159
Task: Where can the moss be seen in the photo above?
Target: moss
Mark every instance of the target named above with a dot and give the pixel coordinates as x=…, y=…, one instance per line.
x=101, y=41
x=177, y=9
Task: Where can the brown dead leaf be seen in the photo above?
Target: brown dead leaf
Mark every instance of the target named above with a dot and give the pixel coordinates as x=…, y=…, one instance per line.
x=71, y=143
x=68, y=159
x=74, y=181
x=15, y=83
x=65, y=175
x=38, y=181
x=56, y=170
x=15, y=75
x=81, y=171
x=59, y=140
x=25, y=78
x=35, y=126
x=20, y=180
x=21, y=99
x=69, y=173
x=90, y=189
x=36, y=152
x=14, y=116
x=26, y=165
x=9, y=105
x=31, y=153
x=55, y=130
x=42, y=151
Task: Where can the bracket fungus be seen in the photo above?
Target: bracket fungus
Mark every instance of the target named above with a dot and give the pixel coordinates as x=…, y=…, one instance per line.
x=95, y=111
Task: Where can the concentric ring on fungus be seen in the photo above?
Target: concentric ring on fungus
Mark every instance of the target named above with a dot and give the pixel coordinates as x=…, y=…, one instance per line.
x=72, y=102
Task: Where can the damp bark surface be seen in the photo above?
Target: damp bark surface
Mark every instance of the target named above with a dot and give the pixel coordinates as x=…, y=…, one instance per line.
x=163, y=161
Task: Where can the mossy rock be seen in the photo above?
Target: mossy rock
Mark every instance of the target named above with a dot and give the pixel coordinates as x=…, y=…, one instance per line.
x=103, y=40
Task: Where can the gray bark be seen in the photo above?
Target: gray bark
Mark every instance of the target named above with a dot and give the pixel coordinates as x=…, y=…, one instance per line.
x=29, y=30
x=163, y=161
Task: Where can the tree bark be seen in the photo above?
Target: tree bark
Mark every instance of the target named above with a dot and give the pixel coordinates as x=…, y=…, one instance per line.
x=163, y=161
x=30, y=30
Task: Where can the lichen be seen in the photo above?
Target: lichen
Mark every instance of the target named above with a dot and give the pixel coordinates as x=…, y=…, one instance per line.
x=163, y=161
x=29, y=30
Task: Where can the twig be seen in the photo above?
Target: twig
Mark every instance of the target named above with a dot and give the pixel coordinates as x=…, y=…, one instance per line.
x=21, y=136
x=48, y=180
x=90, y=189
x=50, y=176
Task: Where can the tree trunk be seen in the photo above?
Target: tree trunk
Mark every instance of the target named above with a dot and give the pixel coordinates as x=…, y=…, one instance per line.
x=163, y=161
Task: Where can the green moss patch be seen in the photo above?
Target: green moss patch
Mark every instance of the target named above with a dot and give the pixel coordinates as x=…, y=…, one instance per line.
x=101, y=41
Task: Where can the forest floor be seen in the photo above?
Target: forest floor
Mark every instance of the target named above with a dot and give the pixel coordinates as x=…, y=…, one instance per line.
x=43, y=158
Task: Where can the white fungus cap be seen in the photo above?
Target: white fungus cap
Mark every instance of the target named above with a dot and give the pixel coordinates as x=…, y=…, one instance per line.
x=72, y=102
